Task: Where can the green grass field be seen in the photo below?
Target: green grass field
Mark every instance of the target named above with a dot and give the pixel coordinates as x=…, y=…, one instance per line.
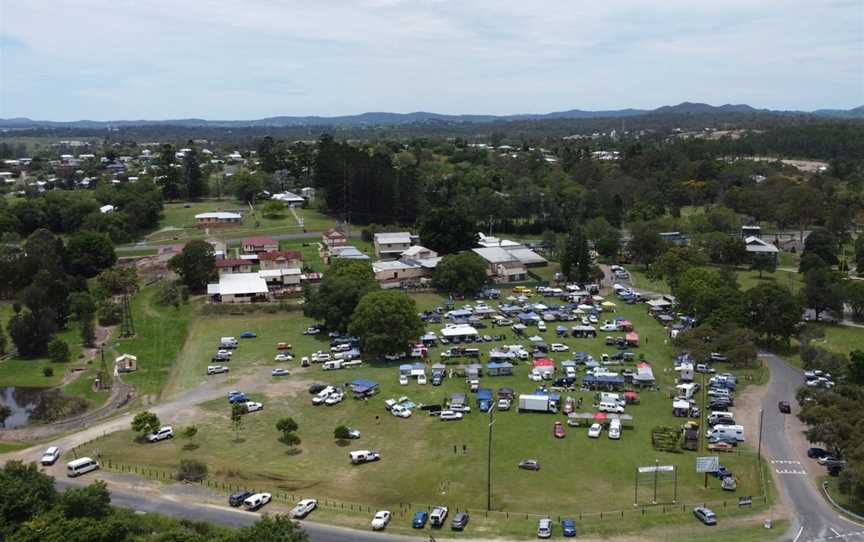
x=746, y=279
x=840, y=339
x=419, y=464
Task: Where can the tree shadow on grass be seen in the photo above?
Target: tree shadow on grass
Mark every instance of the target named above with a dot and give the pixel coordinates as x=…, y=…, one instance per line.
x=293, y=451
x=342, y=442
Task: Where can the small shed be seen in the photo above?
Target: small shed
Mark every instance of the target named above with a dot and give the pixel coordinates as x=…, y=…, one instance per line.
x=126, y=363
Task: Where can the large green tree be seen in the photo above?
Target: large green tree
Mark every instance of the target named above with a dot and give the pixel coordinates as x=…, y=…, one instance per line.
x=645, y=244
x=823, y=243
x=196, y=265
x=446, y=230
x=193, y=179
x=463, y=273
x=773, y=311
x=145, y=422
x=710, y=297
x=88, y=253
x=386, y=323
x=334, y=300
x=823, y=292
x=278, y=528
x=25, y=492
x=763, y=262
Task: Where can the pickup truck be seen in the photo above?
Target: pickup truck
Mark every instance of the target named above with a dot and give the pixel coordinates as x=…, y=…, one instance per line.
x=358, y=457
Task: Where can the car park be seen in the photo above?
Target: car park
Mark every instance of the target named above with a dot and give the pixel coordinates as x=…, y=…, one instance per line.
x=216, y=369
x=303, y=508
x=162, y=434
x=460, y=521
x=279, y=371
x=595, y=430
x=236, y=499
x=419, y=519
x=529, y=464
x=50, y=456
x=544, y=528
x=256, y=501
x=705, y=515
x=568, y=527
x=380, y=520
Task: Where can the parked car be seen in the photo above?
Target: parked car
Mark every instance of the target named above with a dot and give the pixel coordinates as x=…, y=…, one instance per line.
x=544, y=528
x=50, y=456
x=558, y=347
x=237, y=398
x=248, y=335
x=705, y=515
x=381, y=520
x=162, y=434
x=236, y=499
x=568, y=527
x=400, y=411
x=252, y=406
x=529, y=464
x=257, y=500
x=279, y=371
x=558, y=430
x=283, y=346
x=221, y=357
x=312, y=330
x=830, y=459
x=334, y=398
x=283, y=357
x=216, y=369
x=303, y=508
x=447, y=415
x=784, y=407
x=504, y=404
x=353, y=433
x=721, y=446
x=460, y=521
x=438, y=516
x=595, y=430
x=816, y=453
x=419, y=520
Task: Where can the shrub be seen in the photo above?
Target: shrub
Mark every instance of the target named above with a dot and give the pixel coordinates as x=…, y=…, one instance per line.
x=58, y=350
x=191, y=470
x=341, y=433
x=190, y=431
x=48, y=371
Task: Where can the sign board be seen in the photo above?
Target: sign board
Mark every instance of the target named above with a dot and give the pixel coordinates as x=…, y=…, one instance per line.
x=658, y=468
x=709, y=463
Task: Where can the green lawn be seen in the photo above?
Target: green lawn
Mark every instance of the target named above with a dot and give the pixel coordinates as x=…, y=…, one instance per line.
x=840, y=339
x=309, y=249
x=160, y=334
x=746, y=279
x=314, y=220
x=419, y=464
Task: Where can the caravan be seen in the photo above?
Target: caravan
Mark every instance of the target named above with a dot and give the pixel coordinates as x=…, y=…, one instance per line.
x=727, y=432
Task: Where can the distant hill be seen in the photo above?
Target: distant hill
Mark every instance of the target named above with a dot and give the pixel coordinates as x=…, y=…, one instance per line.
x=420, y=117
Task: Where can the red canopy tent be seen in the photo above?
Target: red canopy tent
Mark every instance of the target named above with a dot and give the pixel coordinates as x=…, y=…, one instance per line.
x=600, y=416
x=632, y=338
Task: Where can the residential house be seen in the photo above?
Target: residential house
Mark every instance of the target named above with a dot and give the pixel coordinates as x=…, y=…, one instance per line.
x=346, y=252
x=503, y=266
x=126, y=363
x=231, y=266
x=754, y=245
x=389, y=246
x=281, y=277
x=281, y=260
x=333, y=238
x=218, y=219
x=239, y=288
x=418, y=252
x=289, y=198
x=260, y=245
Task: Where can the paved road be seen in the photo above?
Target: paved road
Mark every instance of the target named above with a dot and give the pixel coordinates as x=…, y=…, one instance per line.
x=812, y=517
x=230, y=517
x=355, y=233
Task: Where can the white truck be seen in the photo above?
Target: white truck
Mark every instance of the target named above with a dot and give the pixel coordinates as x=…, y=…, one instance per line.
x=363, y=456
x=537, y=403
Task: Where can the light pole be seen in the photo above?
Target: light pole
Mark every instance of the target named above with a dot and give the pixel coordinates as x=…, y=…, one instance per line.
x=489, y=460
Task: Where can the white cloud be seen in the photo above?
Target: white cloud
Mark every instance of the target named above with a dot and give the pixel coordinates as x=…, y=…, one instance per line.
x=253, y=58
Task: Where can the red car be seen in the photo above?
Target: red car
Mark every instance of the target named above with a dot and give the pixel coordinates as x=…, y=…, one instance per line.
x=558, y=430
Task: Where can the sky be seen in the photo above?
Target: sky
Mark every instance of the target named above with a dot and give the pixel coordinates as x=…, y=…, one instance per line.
x=248, y=59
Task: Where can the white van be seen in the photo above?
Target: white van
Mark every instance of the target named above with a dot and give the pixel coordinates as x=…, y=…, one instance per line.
x=615, y=429
x=81, y=466
x=728, y=431
x=610, y=406
x=607, y=397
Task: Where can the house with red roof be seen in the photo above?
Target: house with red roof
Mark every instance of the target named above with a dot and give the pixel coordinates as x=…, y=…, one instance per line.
x=333, y=238
x=285, y=259
x=260, y=245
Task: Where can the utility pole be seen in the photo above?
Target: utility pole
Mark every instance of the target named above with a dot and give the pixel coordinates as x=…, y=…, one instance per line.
x=489, y=461
x=759, y=446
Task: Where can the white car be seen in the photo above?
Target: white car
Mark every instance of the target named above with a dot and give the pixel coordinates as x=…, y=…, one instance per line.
x=252, y=406
x=609, y=326
x=257, y=500
x=558, y=347
x=421, y=379
x=283, y=357
x=450, y=415
x=320, y=356
x=595, y=430
x=303, y=508
x=341, y=348
x=614, y=432
x=461, y=408
x=279, y=371
x=403, y=380
x=216, y=369
x=334, y=398
x=381, y=519
x=400, y=411
x=592, y=319
x=223, y=352
x=50, y=456
x=541, y=325
x=322, y=395
x=162, y=434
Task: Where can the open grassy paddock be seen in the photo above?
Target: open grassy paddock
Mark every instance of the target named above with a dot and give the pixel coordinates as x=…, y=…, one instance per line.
x=424, y=462
x=746, y=279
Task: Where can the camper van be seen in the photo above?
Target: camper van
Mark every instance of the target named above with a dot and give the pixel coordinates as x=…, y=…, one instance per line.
x=606, y=397
x=610, y=406
x=81, y=466
x=727, y=431
x=687, y=391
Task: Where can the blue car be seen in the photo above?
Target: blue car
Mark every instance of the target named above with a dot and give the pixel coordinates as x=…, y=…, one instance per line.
x=248, y=335
x=239, y=398
x=419, y=520
x=568, y=527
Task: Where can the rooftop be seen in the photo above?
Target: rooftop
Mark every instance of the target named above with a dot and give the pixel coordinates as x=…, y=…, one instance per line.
x=284, y=254
x=239, y=283
x=402, y=237
x=219, y=216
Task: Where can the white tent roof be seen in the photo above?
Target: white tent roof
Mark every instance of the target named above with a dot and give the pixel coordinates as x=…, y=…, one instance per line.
x=458, y=330
x=239, y=284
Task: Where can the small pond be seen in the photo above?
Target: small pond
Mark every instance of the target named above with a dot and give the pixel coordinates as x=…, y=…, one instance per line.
x=22, y=401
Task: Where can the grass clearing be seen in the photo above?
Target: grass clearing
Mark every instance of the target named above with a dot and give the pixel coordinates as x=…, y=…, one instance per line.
x=423, y=458
x=840, y=339
x=746, y=279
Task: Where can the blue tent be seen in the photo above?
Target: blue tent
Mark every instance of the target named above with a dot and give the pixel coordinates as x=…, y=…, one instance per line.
x=603, y=379
x=364, y=388
x=527, y=317
x=405, y=368
x=499, y=369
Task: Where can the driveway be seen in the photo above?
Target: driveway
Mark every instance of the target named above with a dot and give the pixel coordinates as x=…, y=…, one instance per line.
x=785, y=447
